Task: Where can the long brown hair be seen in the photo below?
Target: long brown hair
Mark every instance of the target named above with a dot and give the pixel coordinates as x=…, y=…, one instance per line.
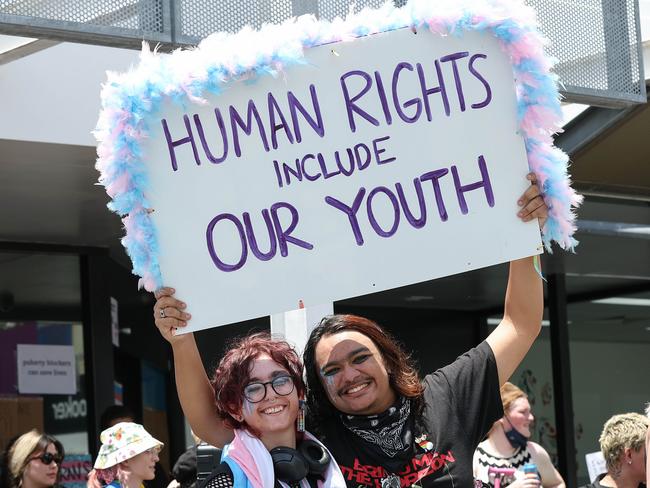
x=403, y=379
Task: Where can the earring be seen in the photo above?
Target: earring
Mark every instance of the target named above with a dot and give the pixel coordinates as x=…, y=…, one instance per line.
x=300, y=420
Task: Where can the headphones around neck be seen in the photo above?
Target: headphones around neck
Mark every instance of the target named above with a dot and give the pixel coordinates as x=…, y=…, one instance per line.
x=291, y=465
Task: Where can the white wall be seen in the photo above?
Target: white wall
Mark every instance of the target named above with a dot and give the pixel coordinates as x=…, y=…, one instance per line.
x=53, y=95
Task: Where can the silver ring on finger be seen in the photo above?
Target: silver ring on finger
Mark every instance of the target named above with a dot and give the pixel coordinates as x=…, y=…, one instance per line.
x=162, y=313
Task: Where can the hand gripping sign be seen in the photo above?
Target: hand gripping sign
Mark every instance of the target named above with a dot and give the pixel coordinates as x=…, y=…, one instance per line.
x=321, y=161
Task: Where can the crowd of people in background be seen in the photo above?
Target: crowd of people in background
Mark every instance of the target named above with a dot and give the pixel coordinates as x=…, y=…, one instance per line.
x=128, y=456
x=358, y=414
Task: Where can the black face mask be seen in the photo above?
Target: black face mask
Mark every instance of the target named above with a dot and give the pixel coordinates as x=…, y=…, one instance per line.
x=516, y=438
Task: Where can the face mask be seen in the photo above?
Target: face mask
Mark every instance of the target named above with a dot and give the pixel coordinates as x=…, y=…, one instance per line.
x=516, y=438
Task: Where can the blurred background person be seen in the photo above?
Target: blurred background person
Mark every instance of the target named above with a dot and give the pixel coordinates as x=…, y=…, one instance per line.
x=622, y=443
x=34, y=461
x=507, y=446
x=115, y=414
x=127, y=457
x=185, y=468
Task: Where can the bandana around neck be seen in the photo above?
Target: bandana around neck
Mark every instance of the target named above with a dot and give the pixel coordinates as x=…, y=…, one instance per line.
x=389, y=431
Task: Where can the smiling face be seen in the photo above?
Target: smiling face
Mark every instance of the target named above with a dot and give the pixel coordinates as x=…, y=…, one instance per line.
x=143, y=466
x=520, y=416
x=37, y=474
x=274, y=415
x=353, y=373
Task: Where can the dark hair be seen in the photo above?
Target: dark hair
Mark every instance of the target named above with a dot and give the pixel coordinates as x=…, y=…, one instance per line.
x=114, y=412
x=404, y=378
x=5, y=475
x=233, y=373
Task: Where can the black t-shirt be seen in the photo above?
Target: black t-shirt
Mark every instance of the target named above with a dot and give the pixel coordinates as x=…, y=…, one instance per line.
x=461, y=403
x=596, y=483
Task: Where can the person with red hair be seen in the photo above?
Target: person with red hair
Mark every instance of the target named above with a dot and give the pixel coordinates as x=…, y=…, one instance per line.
x=258, y=392
x=385, y=425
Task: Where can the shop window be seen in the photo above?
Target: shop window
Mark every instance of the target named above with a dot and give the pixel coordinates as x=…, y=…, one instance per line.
x=42, y=368
x=63, y=415
x=535, y=377
x=609, y=318
x=609, y=341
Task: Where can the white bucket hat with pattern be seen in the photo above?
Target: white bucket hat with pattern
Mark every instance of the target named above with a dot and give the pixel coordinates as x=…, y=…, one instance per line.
x=124, y=441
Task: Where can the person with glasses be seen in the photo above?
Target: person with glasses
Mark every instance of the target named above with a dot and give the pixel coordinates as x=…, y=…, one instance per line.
x=386, y=425
x=258, y=392
x=127, y=457
x=34, y=461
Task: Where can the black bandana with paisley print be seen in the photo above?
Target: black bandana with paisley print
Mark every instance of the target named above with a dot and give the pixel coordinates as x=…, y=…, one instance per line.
x=389, y=433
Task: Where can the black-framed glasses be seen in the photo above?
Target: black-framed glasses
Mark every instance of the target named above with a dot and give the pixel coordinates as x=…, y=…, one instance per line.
x=256, y=392
x=48, y=457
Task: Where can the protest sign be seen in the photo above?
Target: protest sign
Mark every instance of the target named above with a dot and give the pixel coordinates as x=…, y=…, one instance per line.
x=75, y=469
x=596, y=465
x=389, y=159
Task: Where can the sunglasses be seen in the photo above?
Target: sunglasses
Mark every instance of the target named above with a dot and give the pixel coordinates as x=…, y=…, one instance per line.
x=48, y=457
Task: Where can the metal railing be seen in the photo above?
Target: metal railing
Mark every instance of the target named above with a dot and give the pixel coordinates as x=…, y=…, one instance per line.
x=597, y=42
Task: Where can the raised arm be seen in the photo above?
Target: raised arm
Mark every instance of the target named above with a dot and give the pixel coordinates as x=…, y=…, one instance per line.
x=524, y=302
x=551, y=478
x=194, y=390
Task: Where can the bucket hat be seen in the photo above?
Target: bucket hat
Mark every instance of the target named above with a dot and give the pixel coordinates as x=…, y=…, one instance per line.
x=123, y=441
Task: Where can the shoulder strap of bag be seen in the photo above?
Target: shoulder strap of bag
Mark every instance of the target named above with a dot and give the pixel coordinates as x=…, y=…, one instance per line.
x=311, y=479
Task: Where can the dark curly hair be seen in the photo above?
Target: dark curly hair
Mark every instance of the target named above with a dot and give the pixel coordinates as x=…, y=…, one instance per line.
x=404, y=378
x=233, y=373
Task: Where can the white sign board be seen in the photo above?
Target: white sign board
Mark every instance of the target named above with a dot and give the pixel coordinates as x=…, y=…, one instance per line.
x=381, y=162
x=296, y=325
x=596, y=465
x=46, y=370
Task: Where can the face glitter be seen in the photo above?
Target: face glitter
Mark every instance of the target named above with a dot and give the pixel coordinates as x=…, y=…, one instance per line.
x=329, y=382
x=248, y=407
